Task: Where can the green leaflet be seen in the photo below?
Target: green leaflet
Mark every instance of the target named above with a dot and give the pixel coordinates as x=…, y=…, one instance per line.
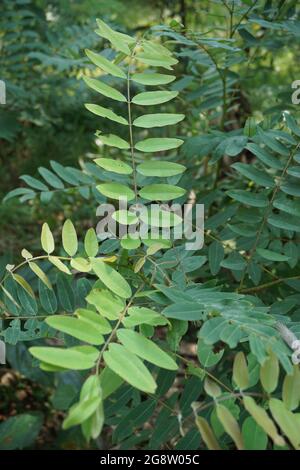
x=113, y=141
x=111, y=278
x=59, y=264
x=105, y=64
x=77, y=328
x=128, y=366
x=116, y=166
x=145, y=348
x=157, y=144
x=69, y=238
x=47, y=240
x=259, y=177
x=254, y=436
x=116, y=191
x=161, y=192
x=150, y=98
x=287, y=421
x=160, y=169
x=152, y=78
x=91, y=243
x=104, y=89
x=130, y=242
x=249, y=198
x=139, y=315
x=106, y=113
x=39, y=273
x=125, y=217
x=271, y=255
x=66, y=358
x=157, y=60
x=149, y=121
x=118, y=40
x=107, y=303
x=93, y=318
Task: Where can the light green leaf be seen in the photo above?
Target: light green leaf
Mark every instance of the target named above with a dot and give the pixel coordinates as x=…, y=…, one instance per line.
x=125, y=217
x=119, y=41
x=116, y=166
x=240, y=371
x=66, y=358
x=105, y=64
x=47, y=239
x=113, y=141
x=111, y=278
x=207, y=433
x=107, y=303
x=23, y=283
x=286, y=420
x=104, y=89
x=291, y=389
x=149, y=121
x=152, y=78
x=81, y=411
x=59, y=264
x=81, y=264
x=262, y=419
x=161, y=192
x=91, y=243
x=149, y=98
x=160, y=168
x=230, y=425
x=158, y=144
x=93, y=318
x=145, y=348
x=139, y=315
x=157, y=60
x=40, y=274
x=128, y=366
x=116, y=191
x=269, y=373
x=105, y=113
x=130, y=242
x=69, y=238
x=77, y=328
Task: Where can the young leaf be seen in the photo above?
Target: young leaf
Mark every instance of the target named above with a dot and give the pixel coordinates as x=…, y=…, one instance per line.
x=116, y=191
x=113, y=141
x=128, y=366
x=145, y=348
x=160, y=169
x=104, y=89
x=158, y=144
x=291, y=389
x=69, y=238
x=105, y=113
x=116, y=166
x=105, y=64
x=47, y=239
x=152, y=78
x=262, y=419
x=111, y=278
x=230, y=425
x=149, y=121
x=91, y=243
x=207, y=434
x=240, y=371
x=269, y=373
x=149, y=98
x=66, y=358
x=161, y=192
x=40, y=274
x=77, y=328
x=59, y=264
